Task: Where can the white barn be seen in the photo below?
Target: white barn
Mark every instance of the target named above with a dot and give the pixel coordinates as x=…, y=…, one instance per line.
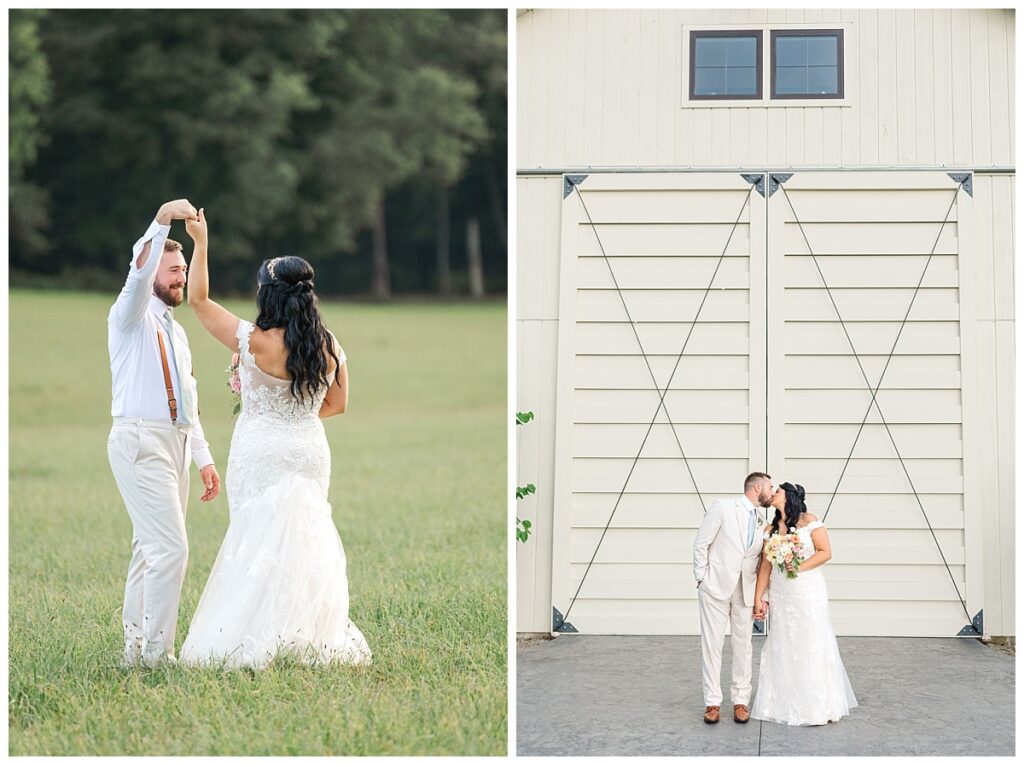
x=732, y=226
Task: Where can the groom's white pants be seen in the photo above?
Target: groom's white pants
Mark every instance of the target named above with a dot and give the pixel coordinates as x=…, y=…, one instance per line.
x=150, y=461
x=714, y=615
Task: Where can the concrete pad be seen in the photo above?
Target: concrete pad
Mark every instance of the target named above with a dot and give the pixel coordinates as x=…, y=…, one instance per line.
x=641, y=695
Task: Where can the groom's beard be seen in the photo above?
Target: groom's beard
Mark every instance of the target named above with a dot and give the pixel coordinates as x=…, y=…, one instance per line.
x=173, y=298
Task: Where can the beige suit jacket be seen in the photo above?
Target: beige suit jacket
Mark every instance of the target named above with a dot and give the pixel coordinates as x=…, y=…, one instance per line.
x=721, y=556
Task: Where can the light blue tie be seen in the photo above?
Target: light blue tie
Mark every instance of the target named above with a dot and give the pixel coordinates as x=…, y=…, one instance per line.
x=185, y=409
x=750, y=526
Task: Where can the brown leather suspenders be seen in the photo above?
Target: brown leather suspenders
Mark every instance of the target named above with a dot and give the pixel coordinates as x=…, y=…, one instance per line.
x=171, y=401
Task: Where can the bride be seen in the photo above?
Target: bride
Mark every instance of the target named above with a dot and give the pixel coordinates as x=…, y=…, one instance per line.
x=802, y=680
x=279, y=583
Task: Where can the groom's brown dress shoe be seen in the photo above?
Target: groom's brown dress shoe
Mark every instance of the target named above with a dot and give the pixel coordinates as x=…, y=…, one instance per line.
x=711, y=715
x=740, y=713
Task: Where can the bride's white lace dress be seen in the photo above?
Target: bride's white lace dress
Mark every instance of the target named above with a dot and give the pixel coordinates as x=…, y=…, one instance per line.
x=279, y=583
x=802, y=680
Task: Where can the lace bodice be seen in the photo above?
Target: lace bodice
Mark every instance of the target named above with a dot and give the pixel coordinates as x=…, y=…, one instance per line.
x=276, y=433
x=264, y=395
x=805, y=536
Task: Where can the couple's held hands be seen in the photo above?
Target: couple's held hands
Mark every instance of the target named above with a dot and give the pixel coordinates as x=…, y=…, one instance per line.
x=197, y=228
x=182, y=209
x=179, y=209
x=760, y=609
x=211, y=480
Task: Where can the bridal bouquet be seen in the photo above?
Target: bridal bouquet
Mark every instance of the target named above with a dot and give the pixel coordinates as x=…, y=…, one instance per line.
x=235, y=384
x=782, y=549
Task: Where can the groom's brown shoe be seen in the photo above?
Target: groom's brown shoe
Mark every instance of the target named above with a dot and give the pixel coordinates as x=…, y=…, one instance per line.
x=711, y=714
x=740, y=713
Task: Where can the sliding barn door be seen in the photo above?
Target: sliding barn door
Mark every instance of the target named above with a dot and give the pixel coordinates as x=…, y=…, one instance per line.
x=788, y=328
x=639, y=252
x=905, y=548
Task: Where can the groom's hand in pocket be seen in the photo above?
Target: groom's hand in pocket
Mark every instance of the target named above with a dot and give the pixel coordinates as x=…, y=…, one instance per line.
x=211, y=480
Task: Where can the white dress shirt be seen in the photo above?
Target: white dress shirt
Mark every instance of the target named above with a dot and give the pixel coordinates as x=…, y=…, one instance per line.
x=134, y=320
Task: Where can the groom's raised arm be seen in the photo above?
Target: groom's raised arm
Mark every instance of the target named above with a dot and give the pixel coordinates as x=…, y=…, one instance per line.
x=131, y=304
x=706, y=534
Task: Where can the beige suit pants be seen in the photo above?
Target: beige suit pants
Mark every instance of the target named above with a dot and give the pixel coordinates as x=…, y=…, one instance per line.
x=714, y=616
x=150, y=461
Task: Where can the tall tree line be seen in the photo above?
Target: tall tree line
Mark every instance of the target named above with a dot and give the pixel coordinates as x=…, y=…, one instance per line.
x=371, y=142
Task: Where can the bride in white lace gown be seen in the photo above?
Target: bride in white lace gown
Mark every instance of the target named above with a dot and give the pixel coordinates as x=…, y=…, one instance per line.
x=802, y=680
x=279, y=584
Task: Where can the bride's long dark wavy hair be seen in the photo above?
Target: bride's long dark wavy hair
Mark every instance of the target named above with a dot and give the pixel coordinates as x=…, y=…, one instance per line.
x=286, y=299
x=795, y=505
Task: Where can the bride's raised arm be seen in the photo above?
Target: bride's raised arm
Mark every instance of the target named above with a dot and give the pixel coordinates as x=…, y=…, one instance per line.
x=215, y=318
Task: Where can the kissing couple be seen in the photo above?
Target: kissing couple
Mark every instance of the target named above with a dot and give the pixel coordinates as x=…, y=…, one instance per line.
x=802, y=678
x=279, y=583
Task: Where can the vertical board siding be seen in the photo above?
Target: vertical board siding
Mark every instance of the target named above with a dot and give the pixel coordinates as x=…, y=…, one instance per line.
x=994, y=404
x=604, y=87
x=538, y=230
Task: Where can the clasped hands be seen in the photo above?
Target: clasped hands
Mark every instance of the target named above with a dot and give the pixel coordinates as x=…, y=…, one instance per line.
x=760, y=609
x=182, y=209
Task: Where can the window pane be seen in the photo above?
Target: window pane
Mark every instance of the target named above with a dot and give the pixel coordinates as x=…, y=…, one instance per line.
x=742, y=80
x=790, y=51
x=822, y=79
x=742, y=51
x=710, y=51
x=822, y=51
x=709, y=81
x=807, y=64
x=791, y=79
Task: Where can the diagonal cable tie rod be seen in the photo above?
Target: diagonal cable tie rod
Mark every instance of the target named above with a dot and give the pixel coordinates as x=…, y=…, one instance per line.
x=661, y=393
x=874, y=389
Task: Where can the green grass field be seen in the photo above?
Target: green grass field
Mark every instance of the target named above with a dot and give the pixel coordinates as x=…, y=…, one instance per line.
x=418, y=491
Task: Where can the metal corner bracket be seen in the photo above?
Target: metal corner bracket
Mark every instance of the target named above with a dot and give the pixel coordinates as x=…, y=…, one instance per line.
x=568, y=181
x=559, y=624
x=776, y=180
x=967, y=179
x=757, y=179
x=976, y=628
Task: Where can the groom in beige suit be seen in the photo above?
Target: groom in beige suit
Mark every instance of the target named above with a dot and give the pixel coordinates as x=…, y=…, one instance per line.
x=726, y=554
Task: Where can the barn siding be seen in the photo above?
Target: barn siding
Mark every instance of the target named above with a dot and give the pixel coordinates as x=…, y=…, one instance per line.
x=563, y=122
x=604, y=88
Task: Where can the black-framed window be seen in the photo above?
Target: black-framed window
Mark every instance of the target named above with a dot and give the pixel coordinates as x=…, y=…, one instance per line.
x=725, y=65
x=807, y=63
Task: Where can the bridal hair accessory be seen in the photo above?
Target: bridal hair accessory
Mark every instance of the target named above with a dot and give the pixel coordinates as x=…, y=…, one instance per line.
x=270, y=267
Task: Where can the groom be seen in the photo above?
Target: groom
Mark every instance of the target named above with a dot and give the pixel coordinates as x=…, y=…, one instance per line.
x=726, y=554
x=156, y=427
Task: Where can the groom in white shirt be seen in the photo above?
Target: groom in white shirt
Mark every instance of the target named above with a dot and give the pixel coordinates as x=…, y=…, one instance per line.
x=155, y=432
x=726, y=555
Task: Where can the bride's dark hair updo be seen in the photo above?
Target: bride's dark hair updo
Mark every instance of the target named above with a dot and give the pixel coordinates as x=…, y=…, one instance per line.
x=286, y=299
x=795, y=506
